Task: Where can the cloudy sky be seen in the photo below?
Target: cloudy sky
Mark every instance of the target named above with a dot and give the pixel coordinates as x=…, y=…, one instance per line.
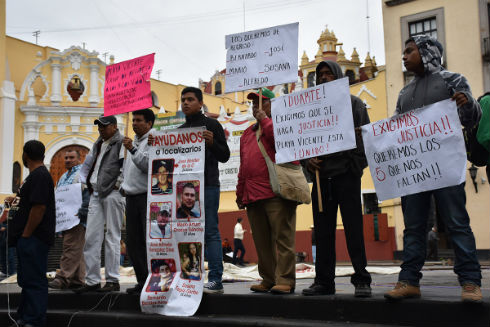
x=188, y=37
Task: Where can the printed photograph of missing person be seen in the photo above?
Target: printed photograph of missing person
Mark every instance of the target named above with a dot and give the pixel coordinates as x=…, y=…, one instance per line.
x=160, y=220
x=188, y=200
x=190, y=260
x=161, y=176
x=162, y=274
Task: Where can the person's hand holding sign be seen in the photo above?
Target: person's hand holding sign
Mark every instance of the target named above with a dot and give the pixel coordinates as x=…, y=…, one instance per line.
x=208, y=137
x=460, y=99
x=313, y=164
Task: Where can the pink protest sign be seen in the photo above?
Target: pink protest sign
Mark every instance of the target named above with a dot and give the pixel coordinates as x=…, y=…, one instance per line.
x=127, y=85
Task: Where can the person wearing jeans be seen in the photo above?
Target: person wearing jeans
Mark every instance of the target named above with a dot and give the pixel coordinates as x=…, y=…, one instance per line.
x=433, y=83
x=216, y=150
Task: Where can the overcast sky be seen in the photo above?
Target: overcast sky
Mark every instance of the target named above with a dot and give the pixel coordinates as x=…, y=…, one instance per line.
x=188, y=37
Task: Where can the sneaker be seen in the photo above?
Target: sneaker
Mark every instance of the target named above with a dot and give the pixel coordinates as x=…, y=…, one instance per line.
x=362, y=290
x=135, y=290
x=403, y=290
x=109, y=287
x=260, y=288
x=57, y=284
x=213, y=287
x=471, y=293
x=282, y=289
x=87, y=288
x=318, y=289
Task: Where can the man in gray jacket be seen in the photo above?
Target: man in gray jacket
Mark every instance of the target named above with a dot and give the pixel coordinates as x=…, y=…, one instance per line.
x=433, y=83
x=135, y=187
x=106, y=207
x=340, y=186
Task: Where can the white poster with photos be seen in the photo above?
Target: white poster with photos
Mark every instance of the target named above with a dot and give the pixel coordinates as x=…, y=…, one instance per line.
x=175, y=223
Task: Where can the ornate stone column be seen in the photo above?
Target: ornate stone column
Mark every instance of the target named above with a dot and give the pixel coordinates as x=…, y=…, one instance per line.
x=94, y=98
x=7, y=126
x=56, y=80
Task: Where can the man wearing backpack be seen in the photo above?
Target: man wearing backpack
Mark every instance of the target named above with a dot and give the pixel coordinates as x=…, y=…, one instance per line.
x=433, y=83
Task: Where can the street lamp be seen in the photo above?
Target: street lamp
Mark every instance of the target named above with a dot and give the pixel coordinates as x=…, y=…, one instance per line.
x=473, y=170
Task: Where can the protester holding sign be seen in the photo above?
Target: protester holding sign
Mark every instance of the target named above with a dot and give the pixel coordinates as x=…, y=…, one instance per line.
x=72, y=263
x=135, y=187
x=340, y=185
x=433, y=83
x=216, y=150
x=106, y=207
x=272, y=218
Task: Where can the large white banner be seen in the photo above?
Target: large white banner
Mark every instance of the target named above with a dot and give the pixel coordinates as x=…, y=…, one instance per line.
x=262, y=57
x=313, y=122
x=175, y=223
x=417, y=151
x=228, y=171
x=68, y=200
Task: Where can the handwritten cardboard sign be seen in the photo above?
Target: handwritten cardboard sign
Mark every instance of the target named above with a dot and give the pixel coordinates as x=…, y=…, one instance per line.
x=68, y=200
x=262, y=57
x=127, y=85
x=313, y=122
x=417, y=151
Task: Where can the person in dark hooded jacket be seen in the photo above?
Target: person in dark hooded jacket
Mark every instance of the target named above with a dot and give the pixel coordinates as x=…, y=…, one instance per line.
x=433, y=83
x=340, y=185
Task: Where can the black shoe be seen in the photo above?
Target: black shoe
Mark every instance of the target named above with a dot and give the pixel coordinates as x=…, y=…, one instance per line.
x=362, y=290
x=136, y=290
x=318, y=289
x=110, y=287
x=87, y=288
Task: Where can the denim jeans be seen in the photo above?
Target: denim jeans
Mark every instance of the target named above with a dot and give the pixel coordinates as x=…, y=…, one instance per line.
x=450, y=202
x=212, y=238
x=31, y=277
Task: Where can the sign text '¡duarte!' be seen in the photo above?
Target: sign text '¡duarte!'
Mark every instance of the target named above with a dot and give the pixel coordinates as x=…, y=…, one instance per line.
x=178, y=139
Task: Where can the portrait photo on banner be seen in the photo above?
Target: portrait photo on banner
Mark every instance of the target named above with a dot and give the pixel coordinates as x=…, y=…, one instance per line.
x=160, y=220
x=162, y=274
x=161, y=176
x=187, y=200
x=190, y=260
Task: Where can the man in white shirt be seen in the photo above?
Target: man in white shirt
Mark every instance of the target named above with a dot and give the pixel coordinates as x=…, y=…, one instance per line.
x=238, y=242
x=135, y=188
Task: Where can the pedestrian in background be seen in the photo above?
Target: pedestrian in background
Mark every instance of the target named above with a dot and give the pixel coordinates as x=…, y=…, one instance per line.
x=238, y=242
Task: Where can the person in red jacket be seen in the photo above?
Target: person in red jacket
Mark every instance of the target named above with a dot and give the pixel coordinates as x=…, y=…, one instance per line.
x=272, y=219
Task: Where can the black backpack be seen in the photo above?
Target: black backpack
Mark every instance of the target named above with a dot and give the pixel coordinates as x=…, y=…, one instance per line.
x=475, y=152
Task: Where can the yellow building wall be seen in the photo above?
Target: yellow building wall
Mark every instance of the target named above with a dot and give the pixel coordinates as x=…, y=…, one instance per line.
x=2, y=40
x=463, y=55
x=462, y=39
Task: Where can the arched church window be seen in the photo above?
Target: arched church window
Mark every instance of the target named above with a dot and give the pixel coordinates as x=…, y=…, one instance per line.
x=310, y=79
x=352, y=76
x=217, y=88
x=15, y=177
